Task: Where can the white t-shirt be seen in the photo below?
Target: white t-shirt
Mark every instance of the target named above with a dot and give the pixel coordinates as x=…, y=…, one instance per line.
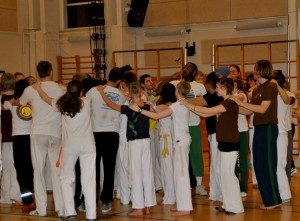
x=180, y=117
x=242, y=119
x=79, y=128
x=197, y=90
x=289, y=118
x=105, y=119
x=21, y=118
x=123, y=126
x=45, y=120
x=282, y=110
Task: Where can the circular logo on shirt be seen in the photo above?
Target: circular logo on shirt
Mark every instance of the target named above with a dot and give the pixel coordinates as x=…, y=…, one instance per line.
x=24, y=112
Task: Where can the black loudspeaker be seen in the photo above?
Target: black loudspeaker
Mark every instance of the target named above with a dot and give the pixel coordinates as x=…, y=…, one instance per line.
x=137, y=13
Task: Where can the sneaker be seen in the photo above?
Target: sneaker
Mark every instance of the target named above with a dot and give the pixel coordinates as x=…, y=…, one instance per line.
x=286, y=200
x=35, y=213
x=293, y=171
x=106, y=207
x=200, y=190
x=81, y=208
x=28, y=208
x=243, y=194
x=69, y=217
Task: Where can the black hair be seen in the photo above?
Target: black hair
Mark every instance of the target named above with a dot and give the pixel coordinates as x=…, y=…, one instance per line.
x=168, y=94
x=129, y=77
x=115, y=74
x=44, y=69
x=211, y=79
x=88, y=83
x=143, y=78
x=228, y=83
x=20, y=87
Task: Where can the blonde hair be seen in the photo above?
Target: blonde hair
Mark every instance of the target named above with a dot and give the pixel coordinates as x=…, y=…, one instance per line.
x=183, y=88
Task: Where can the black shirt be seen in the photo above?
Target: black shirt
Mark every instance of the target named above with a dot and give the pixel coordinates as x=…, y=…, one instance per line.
x=137, y=123
x=6, y=120
x=212, y=100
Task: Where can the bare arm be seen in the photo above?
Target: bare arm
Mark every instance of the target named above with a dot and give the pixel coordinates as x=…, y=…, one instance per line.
x=285, y=97
x=165, y=113
x=199, y=101
x=204, y=111
x=43, y=95
x=109, y=103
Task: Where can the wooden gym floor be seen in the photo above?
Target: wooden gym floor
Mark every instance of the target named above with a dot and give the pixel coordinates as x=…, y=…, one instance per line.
x=203, y=208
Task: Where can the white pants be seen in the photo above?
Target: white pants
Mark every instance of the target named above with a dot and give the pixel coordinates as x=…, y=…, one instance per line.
x=141, y=174
x=43, y=146
x=167, y=177
x=230, y=186
x=181, y=175
x=122, y=173
x=283, y=182
x=251, y=133
x=86, y=151
x=215, y=192
x=155, y=155
x=10, y=188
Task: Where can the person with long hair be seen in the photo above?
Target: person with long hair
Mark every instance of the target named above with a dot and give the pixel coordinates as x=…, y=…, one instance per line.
x=77, y=141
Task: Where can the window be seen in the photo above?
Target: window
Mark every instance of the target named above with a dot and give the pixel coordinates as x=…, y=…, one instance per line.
x=84, y=13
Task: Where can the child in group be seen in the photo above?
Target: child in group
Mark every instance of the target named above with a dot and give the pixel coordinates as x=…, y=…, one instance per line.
x=283, y=101
x=165, y=126
x=228, y=144
x=141, y=177
x=181, y=143
x=240, y=91
x=21, y=121
x=77, y=141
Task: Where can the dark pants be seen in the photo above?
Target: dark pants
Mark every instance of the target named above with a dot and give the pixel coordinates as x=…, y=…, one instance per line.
x=23, y=166
x=78, y=196
x=265, y=163
x=107, y=144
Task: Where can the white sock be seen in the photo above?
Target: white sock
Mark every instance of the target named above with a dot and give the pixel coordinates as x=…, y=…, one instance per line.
x=199, y=180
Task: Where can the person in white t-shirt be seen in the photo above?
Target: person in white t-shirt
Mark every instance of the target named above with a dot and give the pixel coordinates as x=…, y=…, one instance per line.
x=283, y=101
x=77, y=141
x=45, y=137
x=181, y=143
x=21, y=121
x=196, y=157
x=106, y=125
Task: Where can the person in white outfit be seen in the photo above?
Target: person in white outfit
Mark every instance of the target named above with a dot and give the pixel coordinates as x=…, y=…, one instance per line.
x=228, y=144
x=77, y=141
x=165, y=128
x=196, y=157
x=124, y=191
x=106, y=125
x=181, y=144
x=141, y=177
x=45, y=138
x=10, y=190
x=283, y=101
x=21, y=121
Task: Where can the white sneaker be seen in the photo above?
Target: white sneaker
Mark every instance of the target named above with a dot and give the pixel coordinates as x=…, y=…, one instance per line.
x=200, y=190
x=35, y=213
x=243, y=194
x=293, y=171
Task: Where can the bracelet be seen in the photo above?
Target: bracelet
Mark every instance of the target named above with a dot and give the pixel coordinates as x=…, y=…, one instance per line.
x=140, y=110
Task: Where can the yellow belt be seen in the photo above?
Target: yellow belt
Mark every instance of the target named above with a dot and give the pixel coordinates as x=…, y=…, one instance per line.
x=165, y=151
